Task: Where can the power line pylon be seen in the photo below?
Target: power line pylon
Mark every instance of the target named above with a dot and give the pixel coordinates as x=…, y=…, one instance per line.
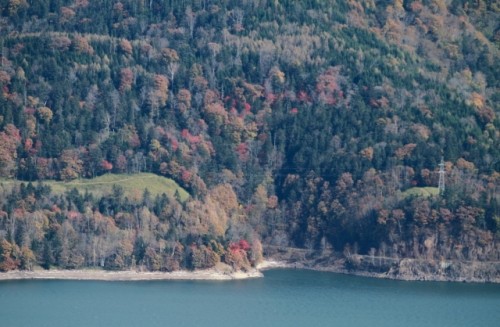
x=441, y=177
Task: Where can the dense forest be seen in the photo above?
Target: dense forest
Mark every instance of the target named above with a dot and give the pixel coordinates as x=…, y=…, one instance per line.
x=313, y=124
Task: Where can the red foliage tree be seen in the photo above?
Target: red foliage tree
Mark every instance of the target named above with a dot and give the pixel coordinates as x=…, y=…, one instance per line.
x=126, y=80
x=243, y=244
x=106, y=165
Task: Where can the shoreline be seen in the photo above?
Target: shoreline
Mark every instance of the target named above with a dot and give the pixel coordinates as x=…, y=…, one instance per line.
x=213, y=274
x=411, y=278
x=338, y=267
x=220, y=273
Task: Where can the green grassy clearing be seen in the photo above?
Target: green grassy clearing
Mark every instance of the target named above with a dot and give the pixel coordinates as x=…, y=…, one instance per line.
x=421, y=191
x=133, y=185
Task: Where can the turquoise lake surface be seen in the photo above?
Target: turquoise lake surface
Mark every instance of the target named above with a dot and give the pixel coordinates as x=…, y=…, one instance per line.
x=282, y=298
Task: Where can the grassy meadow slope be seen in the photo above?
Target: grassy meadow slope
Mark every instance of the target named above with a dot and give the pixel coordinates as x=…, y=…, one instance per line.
x=133, y=185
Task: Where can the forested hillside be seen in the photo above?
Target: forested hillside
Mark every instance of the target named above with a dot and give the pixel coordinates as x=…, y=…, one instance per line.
x=306, y=124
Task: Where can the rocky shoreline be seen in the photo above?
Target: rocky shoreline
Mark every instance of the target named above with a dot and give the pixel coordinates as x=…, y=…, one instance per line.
x=407, y=269
x=402, y=269
x=426, y=270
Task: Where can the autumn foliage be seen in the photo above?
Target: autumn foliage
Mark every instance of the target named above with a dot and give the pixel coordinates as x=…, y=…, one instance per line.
x=316, y=125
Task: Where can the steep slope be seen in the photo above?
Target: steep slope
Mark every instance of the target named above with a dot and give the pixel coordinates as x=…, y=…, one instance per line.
x=299, y=124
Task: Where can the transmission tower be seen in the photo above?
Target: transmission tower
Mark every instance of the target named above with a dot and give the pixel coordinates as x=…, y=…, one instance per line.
x=441, y=177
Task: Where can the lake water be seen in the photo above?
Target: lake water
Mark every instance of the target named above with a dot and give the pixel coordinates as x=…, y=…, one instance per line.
x=282, y=298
